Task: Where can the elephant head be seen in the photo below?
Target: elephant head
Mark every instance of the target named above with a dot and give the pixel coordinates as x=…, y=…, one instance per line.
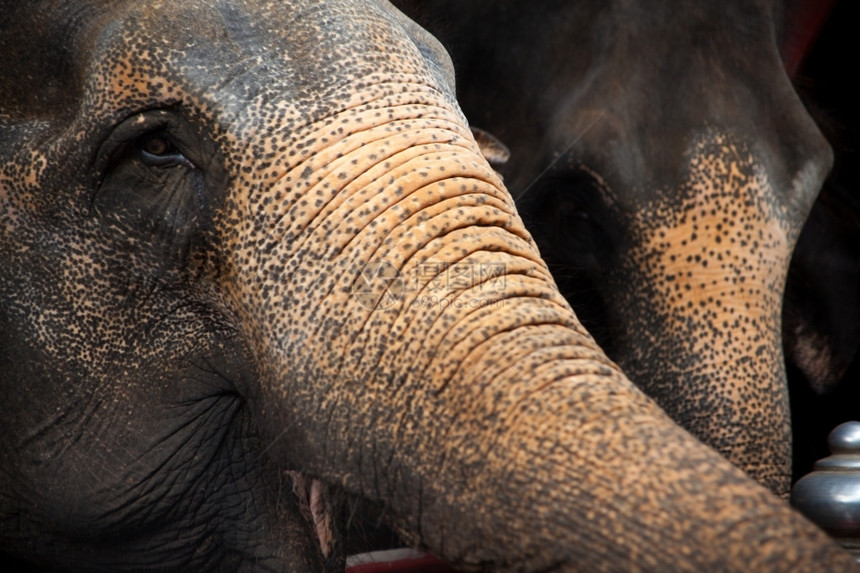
x=252, y=260
x=665, y=165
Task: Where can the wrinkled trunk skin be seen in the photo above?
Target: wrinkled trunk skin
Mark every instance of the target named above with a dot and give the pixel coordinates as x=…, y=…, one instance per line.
x=322, y=281
x=474, y=382
x=665, y=173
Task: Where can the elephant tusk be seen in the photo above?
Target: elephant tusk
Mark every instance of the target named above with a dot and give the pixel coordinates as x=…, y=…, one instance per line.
x=313, y=503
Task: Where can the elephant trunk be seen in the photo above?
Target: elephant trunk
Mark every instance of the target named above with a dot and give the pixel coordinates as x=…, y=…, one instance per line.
x=722, y=338
x=714, y=268
x=453, y=369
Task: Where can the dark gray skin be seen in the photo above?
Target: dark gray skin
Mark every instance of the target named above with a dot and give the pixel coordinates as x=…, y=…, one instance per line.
x=193, y=372
x=665, y=166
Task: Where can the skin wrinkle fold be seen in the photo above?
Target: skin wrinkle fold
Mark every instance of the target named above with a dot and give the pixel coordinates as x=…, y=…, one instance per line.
x=458, y=327
x=454, y=326
x=536, y=392
x=473, y=356
x=402, y=180
x=401, y=332
x=353, y=140
x=406, y=224
x=331, y=209
x=445, y=227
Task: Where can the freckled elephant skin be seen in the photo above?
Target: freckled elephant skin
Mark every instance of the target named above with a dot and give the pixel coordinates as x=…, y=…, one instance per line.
x=196, y=365
x=665, y=166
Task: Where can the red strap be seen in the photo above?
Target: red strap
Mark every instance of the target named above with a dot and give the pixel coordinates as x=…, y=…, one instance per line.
x=396, y=561
x=804, y=20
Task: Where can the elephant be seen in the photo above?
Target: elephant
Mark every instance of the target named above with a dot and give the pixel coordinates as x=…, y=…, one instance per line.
x=254, y=265
x=665, y=166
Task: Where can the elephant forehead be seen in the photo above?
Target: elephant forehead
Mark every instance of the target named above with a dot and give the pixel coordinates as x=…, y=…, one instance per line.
x=305, y=59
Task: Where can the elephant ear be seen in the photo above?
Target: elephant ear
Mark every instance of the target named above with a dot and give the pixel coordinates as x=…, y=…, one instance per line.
x=493, y=150
x=821, y=313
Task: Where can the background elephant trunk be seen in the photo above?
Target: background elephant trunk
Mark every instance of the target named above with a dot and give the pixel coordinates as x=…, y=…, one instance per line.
x=452, y=367
x=715, y=270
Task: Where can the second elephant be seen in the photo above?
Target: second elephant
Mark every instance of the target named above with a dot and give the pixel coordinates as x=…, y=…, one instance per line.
x=665, y=166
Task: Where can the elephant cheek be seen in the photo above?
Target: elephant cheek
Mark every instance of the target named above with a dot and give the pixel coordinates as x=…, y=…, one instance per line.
x=708, y=344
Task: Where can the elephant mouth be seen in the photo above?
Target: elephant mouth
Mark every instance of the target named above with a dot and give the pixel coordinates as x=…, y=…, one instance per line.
x=314, y=504
x=317, y=506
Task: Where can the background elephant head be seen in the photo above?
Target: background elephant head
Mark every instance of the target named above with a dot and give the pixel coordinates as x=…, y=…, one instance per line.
x=665, y=166
x=252, y=261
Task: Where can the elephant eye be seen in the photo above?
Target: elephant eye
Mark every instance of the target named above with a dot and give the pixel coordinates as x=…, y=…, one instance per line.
x=573, y=213
x=157, y=150
x=572, y=221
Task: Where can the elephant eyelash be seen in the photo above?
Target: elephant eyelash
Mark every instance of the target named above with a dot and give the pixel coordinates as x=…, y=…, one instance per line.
x=159, y=150
x=136, y=133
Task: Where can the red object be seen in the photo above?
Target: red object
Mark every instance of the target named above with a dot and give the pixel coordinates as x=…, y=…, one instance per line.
x=396, y=560
x=804, y=20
